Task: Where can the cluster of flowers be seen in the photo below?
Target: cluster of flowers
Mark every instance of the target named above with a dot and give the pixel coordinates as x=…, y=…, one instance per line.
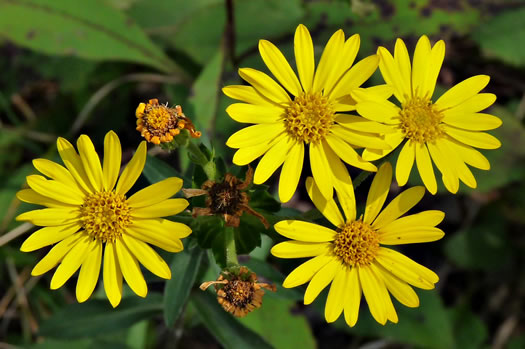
x=89, y=218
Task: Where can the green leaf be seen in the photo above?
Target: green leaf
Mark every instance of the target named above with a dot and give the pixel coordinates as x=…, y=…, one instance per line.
x=97, y=317
x=260, y=198
x=427, y=326
x=248, y=234
x=498, y=36
x=206, y=93
x=184, y=269
x=274, y=322
x=228, y=330
x=86, y=29
x=469, y=331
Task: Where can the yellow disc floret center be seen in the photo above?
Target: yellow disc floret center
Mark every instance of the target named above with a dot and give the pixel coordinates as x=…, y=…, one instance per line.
x=309, y=117
x=356, y=244
x=105, y=215
x=420, y=120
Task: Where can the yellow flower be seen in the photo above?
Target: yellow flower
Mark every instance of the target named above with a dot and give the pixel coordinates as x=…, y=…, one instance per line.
x=351, y=256
x=88, y=211
x=313, y=117
x=445, y=132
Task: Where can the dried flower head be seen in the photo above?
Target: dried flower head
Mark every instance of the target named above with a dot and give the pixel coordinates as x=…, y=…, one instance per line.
x=159, y=124
x=227, y=199
x=238, y=291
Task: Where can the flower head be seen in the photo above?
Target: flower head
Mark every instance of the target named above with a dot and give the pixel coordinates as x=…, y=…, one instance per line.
x=444, y=132
x=227, y=199
x=352, y=256
x=312, y=118
x=238, y=291
x=159, y=124
x=89, y=219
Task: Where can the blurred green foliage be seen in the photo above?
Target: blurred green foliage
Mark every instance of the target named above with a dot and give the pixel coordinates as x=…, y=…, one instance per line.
x=71, y=67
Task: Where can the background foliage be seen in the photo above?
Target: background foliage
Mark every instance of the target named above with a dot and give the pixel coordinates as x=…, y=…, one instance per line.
x=71, y=67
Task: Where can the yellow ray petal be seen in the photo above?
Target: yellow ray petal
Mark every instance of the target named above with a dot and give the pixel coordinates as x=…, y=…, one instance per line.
x=410, y=235
x=159, y=232
x=463, y=172
x=55, y=171
x=381, y=111
x=378, y=192
x=112, y=275
x=132, y=170
x=399, y=289
x=424, y=166
x=89, y=272
x=406, y=269
x=291, y=172
x=74, y=164
x=463, y=91
x=246, y=94
x=402, y=60
x=469, y=155
x=321, y=170
x=48, y=236
x=278, y=65
x=374, y=294
x=130, y=269
x=397, y=207
x=353, y=297
x=356, y=76
x=304, y=56
x=155, y=193
x=246, y=155
x=147, y=257
x=329, y=59
x=420, y=67
x=304, y=231
x=428, y=218
x=436, y=61
x=55, y=190
x=55, y=255
x=344, y=62
x=327, y=207
x=405, y=161
x=472, y=121
x=304, y=273
x=90, y=161
x=475, y=139
x=32, y=197
x=72, y=261
x=112, y=160
x=474, y=104
x=162, y=209
x=299, y=249
x=50, y=216
x=449, y=176
x=255, y=114
x=336, y=296
x=272, y=160
x=389, y=306
x=342, y=184
x=358, y=138
x=358, y=123
x=346, y=153
x=265, y=85
x=320, y=280
x=393, y=139
x=254, y=135
x=391, y=74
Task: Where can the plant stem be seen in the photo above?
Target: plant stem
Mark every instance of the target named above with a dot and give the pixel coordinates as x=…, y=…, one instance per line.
x=231, y=251
x=202, y=160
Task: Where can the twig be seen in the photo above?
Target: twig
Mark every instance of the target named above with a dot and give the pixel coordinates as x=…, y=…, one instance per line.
x=10, y=294
x=229, y=34
x=22, y=299
x=13, y=234
x=102, y=92
x=24, y=108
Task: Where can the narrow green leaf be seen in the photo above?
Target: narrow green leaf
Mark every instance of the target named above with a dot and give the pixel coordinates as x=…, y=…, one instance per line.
x=96, y=317
x=184, y=268
x=228, y=330
x=87, y=29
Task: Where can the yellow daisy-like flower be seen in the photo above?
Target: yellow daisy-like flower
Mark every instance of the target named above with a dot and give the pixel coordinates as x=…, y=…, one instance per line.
x=313, y=117
x=351, y=256
x=445, y=132
x=88, y=213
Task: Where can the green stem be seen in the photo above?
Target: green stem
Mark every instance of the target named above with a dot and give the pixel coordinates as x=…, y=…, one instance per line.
x=231, y=251
x=202, y=160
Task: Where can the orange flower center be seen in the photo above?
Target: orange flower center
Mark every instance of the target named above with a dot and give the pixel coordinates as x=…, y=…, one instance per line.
x=105, y=215
x=309, y=117
x=420, y=120
x=356, y=244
